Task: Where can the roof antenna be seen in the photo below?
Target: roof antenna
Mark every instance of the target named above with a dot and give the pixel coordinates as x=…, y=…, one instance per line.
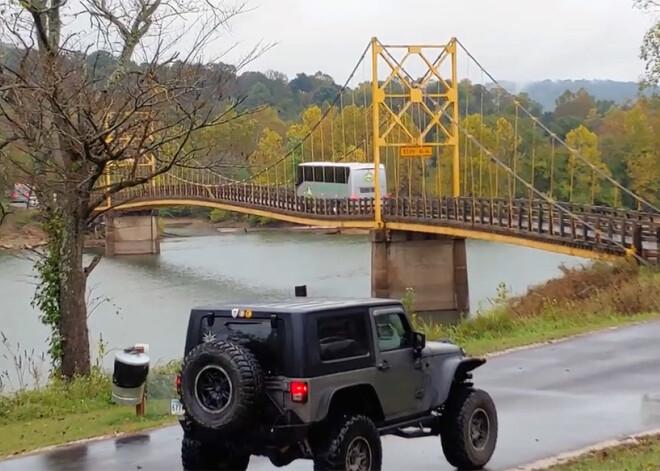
x=301, y=291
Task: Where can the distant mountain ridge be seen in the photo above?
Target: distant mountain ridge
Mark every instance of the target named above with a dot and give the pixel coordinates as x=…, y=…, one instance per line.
x=546, y=92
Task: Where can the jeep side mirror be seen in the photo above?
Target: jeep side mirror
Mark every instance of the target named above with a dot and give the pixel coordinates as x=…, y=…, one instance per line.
x=418, y=341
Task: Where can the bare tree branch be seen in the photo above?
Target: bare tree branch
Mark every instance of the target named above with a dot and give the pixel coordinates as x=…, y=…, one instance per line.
x=131, y=92
x=3, y=213
x=95, y=261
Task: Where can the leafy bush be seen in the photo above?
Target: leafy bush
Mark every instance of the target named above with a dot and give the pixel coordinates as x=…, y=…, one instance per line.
x=218, y=215
x=582, y=297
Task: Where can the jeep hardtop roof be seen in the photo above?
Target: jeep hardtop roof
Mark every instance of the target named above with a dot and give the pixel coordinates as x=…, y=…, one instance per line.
x=298, y=305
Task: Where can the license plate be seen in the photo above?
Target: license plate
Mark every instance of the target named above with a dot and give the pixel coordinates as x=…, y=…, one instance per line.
x=176, y=408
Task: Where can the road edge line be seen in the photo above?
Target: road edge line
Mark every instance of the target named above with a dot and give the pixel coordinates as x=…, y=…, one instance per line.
x=564, y=458
x=545, y=343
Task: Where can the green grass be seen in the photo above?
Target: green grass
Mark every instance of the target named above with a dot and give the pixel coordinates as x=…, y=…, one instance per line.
x=517, y=333
x=580, y=301
x=62, y=412
x=641, y=456
x=30, y=434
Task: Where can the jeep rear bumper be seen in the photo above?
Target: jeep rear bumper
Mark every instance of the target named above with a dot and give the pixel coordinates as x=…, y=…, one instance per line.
x=256, y=439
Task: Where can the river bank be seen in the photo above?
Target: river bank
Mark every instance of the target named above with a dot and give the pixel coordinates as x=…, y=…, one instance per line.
x=580, y=301
x=21, y=230
x=178, y=226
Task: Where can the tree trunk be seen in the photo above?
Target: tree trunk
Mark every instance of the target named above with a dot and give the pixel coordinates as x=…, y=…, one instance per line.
x=73, y=284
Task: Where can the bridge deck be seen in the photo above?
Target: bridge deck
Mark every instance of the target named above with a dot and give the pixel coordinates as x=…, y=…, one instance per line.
x=597, y=232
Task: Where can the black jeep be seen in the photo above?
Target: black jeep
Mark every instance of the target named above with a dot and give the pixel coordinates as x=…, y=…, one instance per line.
x=323, y=379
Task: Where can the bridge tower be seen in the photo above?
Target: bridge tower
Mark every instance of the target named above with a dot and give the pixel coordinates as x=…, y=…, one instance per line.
x=418, y=85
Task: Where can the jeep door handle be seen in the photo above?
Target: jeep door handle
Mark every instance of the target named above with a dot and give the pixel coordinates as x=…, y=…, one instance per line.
x=384, y=365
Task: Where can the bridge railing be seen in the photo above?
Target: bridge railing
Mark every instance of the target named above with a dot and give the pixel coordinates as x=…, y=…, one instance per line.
x=604, y=231
x=591, y=227
x=261, y=197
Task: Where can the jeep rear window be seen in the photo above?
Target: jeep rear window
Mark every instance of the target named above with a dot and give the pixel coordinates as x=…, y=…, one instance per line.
x=257, y=335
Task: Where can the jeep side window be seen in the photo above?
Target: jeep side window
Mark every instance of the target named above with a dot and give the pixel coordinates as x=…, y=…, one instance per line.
x=393, y=331
x=342, y=336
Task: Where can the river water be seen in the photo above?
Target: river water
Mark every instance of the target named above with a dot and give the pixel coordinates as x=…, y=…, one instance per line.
x=146, y=299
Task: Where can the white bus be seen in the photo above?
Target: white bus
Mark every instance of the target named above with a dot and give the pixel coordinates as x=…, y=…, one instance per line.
x=339, y=180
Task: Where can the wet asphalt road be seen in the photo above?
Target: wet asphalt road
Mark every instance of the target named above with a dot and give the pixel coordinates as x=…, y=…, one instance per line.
x=550, y=400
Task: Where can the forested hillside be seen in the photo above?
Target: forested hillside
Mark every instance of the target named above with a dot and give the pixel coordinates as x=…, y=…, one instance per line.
x=623, y=139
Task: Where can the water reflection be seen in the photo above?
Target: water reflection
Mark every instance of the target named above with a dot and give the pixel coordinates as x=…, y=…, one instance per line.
x=147, y=298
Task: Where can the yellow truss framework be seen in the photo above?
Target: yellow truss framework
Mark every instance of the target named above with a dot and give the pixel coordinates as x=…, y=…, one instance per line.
x=414, y=92
x=145, y=161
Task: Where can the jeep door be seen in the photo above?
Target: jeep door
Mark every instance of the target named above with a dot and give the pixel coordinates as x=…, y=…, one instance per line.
x=400, y=379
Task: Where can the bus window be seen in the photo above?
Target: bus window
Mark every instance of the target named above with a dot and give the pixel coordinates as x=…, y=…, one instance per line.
x=342, y=175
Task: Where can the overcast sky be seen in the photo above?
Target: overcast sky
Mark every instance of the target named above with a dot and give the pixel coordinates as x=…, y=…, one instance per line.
x=519, y=40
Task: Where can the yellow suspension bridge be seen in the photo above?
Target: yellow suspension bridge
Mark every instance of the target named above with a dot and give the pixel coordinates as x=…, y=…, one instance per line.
x=503, y=177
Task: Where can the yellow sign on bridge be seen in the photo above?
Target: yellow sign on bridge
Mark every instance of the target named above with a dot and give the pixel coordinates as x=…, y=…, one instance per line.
x=416, y=151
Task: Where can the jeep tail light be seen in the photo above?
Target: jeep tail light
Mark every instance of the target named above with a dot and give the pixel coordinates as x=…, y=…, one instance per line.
x=299, y=391
x=177, y=384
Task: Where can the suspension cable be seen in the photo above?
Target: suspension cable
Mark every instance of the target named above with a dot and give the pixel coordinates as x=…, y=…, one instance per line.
x=550, y=201
x=561, y=141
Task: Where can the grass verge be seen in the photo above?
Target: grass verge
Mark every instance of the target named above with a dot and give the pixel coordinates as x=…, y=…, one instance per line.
x=643, y=455
x=64, y=412
x=581, y=300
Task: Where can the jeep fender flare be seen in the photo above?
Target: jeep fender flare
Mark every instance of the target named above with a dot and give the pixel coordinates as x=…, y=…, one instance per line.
x=453, y=370
x=362, y=397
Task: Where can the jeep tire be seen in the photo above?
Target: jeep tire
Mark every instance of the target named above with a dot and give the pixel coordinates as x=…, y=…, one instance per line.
x=198, y=456
x=469, y=431
x=221, y=383
x=353, y=441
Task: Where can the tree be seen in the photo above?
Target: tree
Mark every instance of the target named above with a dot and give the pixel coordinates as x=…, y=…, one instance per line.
x=265, y=162
x=478, y=178
x=584, y=184
x=576, y=105
x=74, y=125
x=650, y=50
x=643, y=159
x=505, y=151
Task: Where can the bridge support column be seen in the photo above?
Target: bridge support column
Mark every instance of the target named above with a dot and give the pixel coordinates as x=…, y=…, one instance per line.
x=434, y=266
x=132, y=233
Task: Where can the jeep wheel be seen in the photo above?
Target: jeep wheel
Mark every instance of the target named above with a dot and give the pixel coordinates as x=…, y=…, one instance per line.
x=220, y=385
x=200, y=456
x=469, y=431
x=354, y=445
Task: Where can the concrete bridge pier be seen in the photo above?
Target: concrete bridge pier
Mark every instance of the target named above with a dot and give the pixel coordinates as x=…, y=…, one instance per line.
x=434, y=266
x=132, y=233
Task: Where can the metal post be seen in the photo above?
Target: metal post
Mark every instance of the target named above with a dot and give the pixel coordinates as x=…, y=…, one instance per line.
x=456, y=190
x=141, y=407
x=375, y=108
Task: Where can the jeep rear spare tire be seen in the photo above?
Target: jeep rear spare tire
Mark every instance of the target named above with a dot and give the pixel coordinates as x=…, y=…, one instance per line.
x=221, y=383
